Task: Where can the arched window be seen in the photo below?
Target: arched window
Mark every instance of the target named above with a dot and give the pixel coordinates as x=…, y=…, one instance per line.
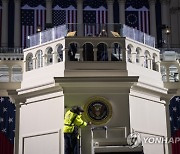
x=102, y=54
x=146, y=59
x=29, y=62
x=154, y=62
x=39, y=59
x=116, y=52
x=129, y=51
x=72, y=52
x=16, y=75
x=60, y=52
x=49, y=56
x=138, y=51
x=88, y=54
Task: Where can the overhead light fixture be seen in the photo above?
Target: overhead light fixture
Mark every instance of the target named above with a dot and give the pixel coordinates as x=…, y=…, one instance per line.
x=38, y=28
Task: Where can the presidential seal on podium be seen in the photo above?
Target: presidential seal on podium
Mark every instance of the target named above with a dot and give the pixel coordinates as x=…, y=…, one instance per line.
x=98, y=110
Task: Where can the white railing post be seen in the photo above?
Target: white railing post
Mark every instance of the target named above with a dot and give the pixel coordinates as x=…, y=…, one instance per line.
x=144, y=38
x=53, y=34
x=40, y=38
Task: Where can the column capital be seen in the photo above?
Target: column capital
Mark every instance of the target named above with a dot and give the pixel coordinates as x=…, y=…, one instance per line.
x=49, y=1
x=79, y=1
x=122, y=1
x=152, y=2
x=163, y=1
x=17, y=0
x=5, y=1
x=110, y=1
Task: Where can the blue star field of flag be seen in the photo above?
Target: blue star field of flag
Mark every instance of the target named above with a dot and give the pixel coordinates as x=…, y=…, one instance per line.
x=33, y=3
x=64, y=3
x=7, y=118
x=27, y=17
x=174, y=111
x=132, y=18
x=137, y=3
x=59, y=17
x=89, y=17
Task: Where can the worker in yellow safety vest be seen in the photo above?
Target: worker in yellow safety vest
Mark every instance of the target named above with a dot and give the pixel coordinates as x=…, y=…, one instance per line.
x=72, y=122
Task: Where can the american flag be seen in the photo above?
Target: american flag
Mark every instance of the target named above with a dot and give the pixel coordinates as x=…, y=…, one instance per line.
x=94, y=19
x=31, y=18
x=138, y=18
x=174, y=111
x=7, y=125
x=65, y=16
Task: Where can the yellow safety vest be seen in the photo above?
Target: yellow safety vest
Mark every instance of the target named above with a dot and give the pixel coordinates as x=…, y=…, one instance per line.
x=72, y=119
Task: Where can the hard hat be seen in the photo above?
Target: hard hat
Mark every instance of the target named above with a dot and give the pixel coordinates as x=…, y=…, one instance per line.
x=77, y=109
x=80, y=109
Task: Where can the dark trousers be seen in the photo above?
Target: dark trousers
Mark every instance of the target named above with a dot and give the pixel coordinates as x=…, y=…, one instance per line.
x=71, y=144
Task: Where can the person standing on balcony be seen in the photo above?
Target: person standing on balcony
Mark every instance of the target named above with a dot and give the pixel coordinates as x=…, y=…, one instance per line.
x=72, y=122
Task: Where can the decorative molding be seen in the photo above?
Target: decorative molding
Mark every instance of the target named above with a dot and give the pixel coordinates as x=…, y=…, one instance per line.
x=152, y=2
x=110, y=2
x=122, y=1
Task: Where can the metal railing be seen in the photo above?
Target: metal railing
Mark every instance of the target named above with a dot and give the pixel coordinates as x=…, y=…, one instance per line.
x=95, y=30
x=138, y=35
x=47, y=35
x=7, y=50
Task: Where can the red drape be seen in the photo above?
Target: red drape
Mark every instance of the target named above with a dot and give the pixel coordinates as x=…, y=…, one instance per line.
x=176, y=145
x=6, y=147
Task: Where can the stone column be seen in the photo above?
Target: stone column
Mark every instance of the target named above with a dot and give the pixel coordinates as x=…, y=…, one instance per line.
x=133, y=56
x=164, y=11
x=151, y=63
x=141, y=60
x=95, y=54
x=49, y=11
x=122, y=11
x=80, y=27
x=124, y=54
x=165, y=21
x=66, y=57
x=17, y=23
x=152, y=18
x=4, y=35
x=109, y=50
x=80, y=51
x=25, y=69
x=110, y=16
x=34, y=63
x=55, y=58
x=45, y=60
x=158, y=66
